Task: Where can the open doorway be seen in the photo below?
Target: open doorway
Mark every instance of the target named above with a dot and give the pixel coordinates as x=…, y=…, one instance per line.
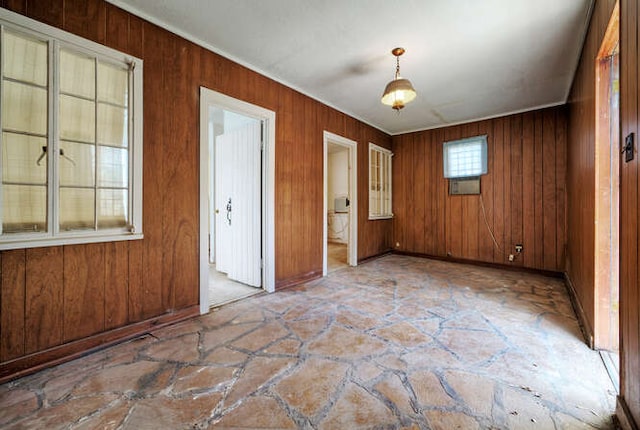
x=340, y=203
x=235, y=181
x=236, y=199
x=607, y=204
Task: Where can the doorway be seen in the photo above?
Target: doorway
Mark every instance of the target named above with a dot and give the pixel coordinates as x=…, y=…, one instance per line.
x=236, y=199
x=607, y=204
x=340, y=248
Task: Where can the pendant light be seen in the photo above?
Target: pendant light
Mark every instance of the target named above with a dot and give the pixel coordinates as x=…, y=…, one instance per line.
x=399, y=91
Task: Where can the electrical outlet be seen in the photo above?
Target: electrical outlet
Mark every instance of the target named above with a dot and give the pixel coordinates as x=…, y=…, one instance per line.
x=511, y=257
x=519, y=248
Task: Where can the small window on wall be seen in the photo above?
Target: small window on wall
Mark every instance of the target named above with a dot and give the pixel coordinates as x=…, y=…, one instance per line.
x=465, y=158
x=71, y=141
x=379, y=182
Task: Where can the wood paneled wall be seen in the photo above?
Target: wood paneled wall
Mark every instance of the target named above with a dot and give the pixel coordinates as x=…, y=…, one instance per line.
x=581, y=184
x=53, y=296
x=630, y=212
x=523, y=193
x=581, y=181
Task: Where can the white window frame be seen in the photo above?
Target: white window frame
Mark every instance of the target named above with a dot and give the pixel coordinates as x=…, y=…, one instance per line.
x=61, y=39
x=381, y=212
x=448, y=146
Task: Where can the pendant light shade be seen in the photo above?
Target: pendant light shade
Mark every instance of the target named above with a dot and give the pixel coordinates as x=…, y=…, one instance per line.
x=398, y=92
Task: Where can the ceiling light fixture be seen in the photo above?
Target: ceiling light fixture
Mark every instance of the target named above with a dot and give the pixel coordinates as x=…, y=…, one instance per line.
x=398, y=92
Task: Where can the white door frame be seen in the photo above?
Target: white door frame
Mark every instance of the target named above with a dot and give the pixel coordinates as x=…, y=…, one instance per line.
x=352, y=246
x=208, y=99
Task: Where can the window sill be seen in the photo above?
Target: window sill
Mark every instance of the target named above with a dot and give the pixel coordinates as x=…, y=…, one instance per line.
x=68, y=240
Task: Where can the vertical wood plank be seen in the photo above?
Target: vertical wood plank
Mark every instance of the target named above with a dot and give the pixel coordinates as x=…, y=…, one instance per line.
x=498, y=190
x=561, y=181
x=470, y=209
x=410, y=202
x=180, y=216
x=485, y=199
x=12, y=304
x=284, y=209
x=136, y=36
x=117, y=28
x=86, y=18
x=149, y=301
x=507, y=247
x=538, y=217
x=421, y=172
x=136, y=295
x=44, y=308
x=18, y=6
x=516, y=193
x=442, y=194
x=454, y=220
x=528, y=195
x=399, y=196
x=116, y=284
x=50, y=12
x=549, y=190
x=300, y=257
x=431, y=194
x=83, y=296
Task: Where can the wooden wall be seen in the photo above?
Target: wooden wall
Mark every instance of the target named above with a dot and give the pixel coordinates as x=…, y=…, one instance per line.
x=53, y=296
x=581, y=184
x=580, y=267
x=523, y=193
x=629, y=212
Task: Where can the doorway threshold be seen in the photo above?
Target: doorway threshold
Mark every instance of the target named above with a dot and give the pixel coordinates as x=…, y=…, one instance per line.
x=216, y=304
x=611, y=362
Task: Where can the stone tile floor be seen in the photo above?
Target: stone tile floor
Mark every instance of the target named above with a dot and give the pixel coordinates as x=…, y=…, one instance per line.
x=398, y=342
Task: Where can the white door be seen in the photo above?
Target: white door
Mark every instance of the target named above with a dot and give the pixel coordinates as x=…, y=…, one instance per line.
x=238, y=203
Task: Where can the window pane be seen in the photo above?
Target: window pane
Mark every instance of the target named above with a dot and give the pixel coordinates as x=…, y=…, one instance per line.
x=113, y=170
x=19, y=156
x=112, y=208
x=77, y=209
x=113, y=84
x=77, y=119
x=24, y=208
x=77, y=165
x=112, y=125
x=25, y=59
x=24, y=108
x=464, y=158
x=77, y=74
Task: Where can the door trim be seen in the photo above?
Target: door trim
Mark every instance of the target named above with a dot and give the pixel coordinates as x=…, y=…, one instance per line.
x=352, y=247
x=209, y=98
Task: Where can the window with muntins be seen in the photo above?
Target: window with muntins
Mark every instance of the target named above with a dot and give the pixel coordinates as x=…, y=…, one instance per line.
x=465, y=158
x=71, y=141
x=379, y=182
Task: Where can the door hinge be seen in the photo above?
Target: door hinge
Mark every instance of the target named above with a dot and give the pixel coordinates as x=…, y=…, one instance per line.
x=261, y=263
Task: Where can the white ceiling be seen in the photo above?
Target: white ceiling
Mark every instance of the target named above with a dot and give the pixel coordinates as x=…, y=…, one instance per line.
x=467, y=59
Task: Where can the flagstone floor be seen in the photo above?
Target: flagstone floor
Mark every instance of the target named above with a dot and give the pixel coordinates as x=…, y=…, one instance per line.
x=398, y=342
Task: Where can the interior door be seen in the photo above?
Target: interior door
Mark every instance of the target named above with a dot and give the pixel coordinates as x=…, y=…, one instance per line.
x=238, y=203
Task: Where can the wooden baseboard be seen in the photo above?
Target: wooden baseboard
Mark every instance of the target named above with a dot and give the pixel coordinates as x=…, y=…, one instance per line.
x=375, y=256
x=37, y=361
x=297, y=280
x=623, y=416
x=585, y=326
x=549, y=273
